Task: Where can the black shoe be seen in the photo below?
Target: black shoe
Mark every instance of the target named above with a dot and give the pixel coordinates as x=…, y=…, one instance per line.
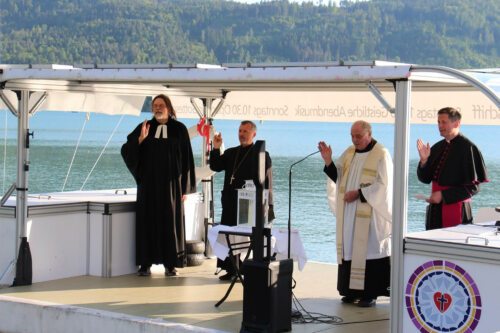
x=171, y=272
x=227, y=277
x=367, y=302
x=348, y=299
x=144, y=271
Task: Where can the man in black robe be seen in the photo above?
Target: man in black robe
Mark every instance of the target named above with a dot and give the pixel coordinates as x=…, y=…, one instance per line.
x=159, y=156
x=455, y=167
x=238, y=168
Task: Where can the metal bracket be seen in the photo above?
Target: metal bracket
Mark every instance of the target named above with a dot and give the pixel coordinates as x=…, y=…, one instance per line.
x=378, y=95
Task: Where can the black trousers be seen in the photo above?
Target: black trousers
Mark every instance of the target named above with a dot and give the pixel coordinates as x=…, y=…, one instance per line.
x=377, y=279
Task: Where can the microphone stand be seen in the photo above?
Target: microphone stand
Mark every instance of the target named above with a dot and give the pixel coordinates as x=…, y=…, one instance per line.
x=290, y=200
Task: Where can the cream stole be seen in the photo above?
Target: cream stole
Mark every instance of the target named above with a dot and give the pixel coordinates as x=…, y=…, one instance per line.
x=363, y=215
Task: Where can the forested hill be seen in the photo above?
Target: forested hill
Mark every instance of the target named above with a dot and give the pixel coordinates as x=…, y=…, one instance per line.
x=456, y=33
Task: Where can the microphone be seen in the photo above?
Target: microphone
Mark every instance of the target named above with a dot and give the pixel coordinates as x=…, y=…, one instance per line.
x=290, y=198
x=305, y=158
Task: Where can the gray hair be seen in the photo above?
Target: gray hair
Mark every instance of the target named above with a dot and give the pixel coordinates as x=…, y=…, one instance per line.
x=249, y=122
x=364, y=125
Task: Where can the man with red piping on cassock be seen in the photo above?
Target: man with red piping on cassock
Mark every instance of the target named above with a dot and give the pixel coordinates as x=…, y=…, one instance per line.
x=455, y=167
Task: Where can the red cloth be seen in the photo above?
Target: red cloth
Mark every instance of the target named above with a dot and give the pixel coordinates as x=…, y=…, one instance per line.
x=203, y=128
x=451, y=214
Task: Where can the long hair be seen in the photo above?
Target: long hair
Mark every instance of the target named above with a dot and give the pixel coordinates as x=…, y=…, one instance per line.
x=168, y=103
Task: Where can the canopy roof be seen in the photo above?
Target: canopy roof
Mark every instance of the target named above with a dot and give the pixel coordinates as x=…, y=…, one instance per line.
x=321, y=89
x=120, y=89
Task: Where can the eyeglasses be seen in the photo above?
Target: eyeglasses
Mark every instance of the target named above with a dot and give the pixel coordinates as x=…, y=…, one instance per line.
x=159, y=106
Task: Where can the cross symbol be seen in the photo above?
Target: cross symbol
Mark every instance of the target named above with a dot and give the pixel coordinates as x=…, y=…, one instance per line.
x=442, y=301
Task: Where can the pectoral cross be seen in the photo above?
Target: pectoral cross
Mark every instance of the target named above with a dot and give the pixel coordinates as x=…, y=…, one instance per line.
x=232, y=178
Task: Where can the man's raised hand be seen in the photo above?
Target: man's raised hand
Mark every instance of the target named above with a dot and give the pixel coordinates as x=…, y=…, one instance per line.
x=424, y=151
x=217, y=140
x=326, y=152
x=144, y=131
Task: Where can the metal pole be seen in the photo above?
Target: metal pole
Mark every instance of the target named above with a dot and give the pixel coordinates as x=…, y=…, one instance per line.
x=400, y=201
x=22, y=165
x=24, y=269
x=207, y=182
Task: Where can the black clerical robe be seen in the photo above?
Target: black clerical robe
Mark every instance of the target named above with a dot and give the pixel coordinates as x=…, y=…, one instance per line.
x=238, y=168
x=456, y=168
x=163, y=168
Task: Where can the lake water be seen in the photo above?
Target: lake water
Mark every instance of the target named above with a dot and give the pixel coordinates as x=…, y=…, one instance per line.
x=56, y=134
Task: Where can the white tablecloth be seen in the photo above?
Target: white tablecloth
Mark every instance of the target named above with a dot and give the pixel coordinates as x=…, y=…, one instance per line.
x=279, y=243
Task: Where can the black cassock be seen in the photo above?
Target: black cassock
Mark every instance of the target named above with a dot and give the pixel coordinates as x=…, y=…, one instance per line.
x=459, y=166
x=163, y=169
x=237, y=164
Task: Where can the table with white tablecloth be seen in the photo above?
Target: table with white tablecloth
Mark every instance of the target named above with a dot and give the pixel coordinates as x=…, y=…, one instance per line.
x=279, y=242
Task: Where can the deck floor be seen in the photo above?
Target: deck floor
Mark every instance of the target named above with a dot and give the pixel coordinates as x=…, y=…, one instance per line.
x=190, y=298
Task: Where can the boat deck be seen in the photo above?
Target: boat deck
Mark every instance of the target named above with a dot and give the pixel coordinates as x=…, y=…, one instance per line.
x=184, y=303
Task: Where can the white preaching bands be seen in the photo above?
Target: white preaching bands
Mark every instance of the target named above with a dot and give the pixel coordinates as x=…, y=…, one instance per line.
x=161, y=130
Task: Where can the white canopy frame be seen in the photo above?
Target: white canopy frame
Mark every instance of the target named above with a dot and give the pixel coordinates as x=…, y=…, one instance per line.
x=208, y=113
x=128, y=84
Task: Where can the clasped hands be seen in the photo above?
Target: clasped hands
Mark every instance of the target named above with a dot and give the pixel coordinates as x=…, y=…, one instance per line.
x=351, y=196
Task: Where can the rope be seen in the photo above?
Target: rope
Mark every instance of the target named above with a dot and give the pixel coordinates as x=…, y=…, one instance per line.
x=4, y=152
x=87, y=117
x=102, y=152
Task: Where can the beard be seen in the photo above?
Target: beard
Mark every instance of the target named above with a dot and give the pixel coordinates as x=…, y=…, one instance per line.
x=161, y=117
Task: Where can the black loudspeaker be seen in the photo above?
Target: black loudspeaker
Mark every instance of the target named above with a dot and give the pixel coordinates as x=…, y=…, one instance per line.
x=267, y=296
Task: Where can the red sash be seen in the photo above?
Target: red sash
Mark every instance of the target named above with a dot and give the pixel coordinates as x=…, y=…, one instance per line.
x=451, y=214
